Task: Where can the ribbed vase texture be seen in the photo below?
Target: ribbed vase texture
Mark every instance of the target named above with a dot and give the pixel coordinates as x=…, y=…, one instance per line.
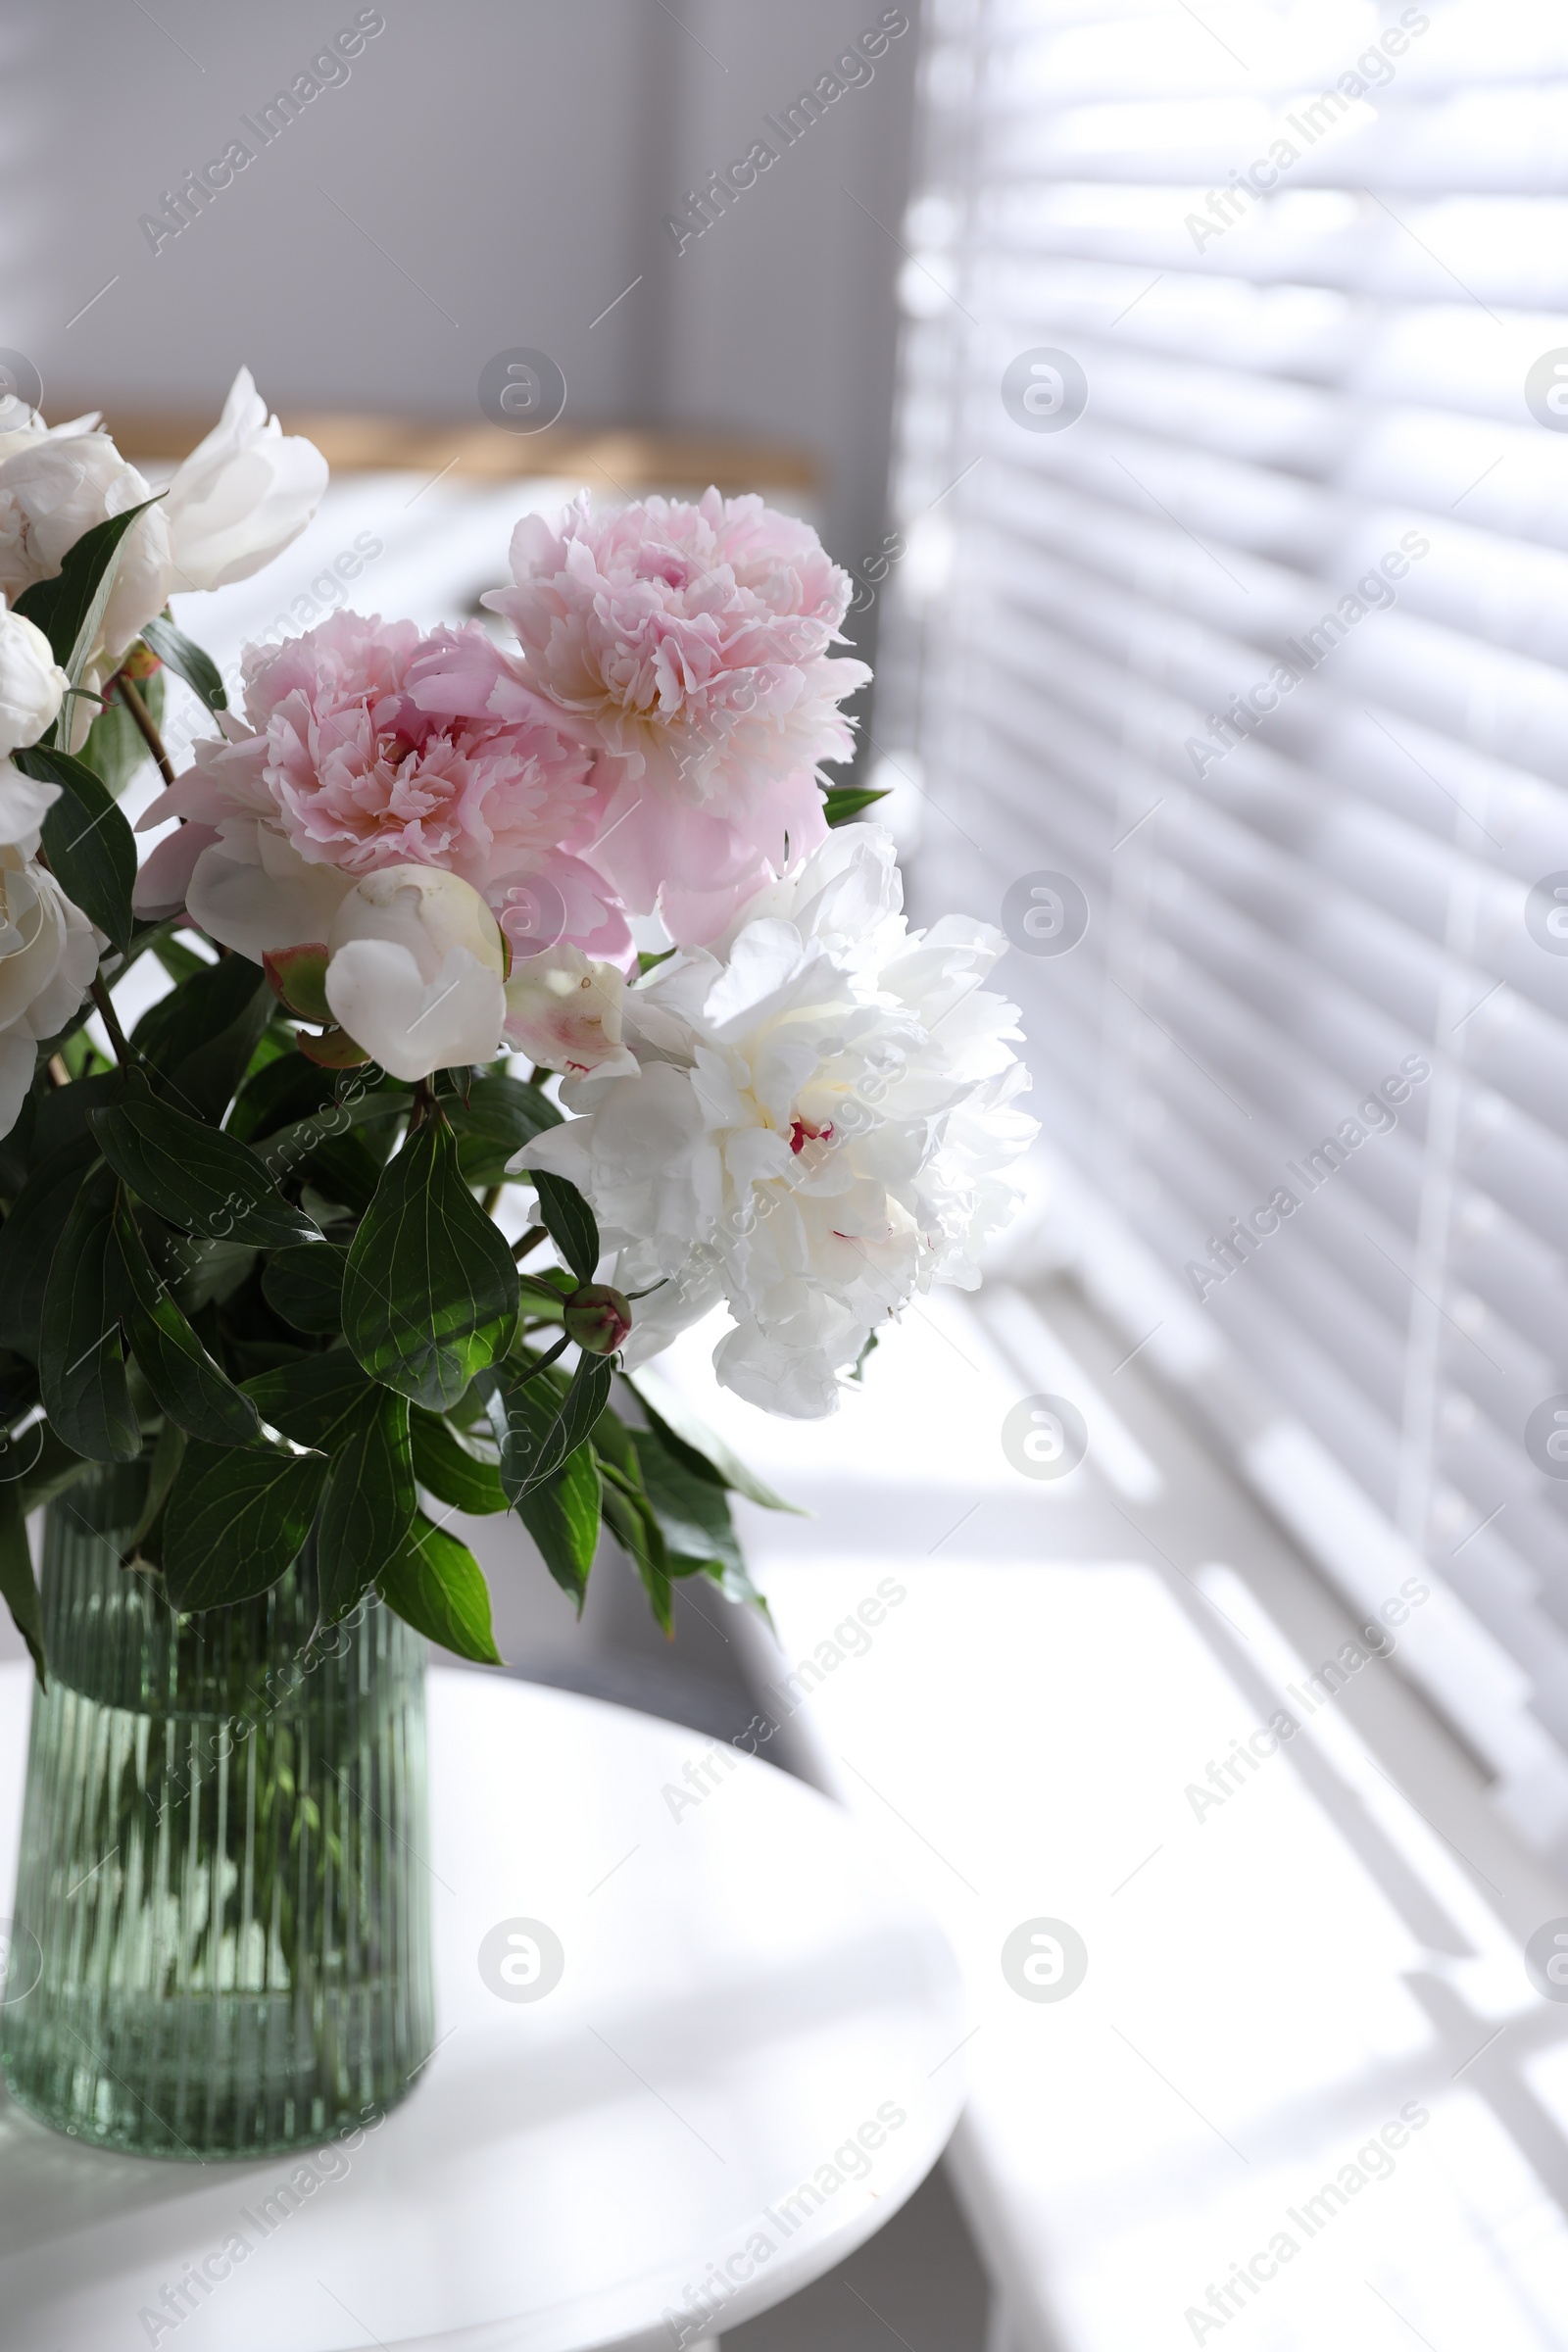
x=222, y=1896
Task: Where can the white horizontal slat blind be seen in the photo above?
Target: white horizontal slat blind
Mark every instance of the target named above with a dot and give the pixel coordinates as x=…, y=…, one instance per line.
x=1306, y=314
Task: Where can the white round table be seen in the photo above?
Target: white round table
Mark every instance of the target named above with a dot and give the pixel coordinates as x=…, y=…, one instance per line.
x=747, y=2065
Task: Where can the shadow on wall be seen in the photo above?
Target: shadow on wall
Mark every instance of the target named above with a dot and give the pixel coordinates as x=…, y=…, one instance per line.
x=228, y=187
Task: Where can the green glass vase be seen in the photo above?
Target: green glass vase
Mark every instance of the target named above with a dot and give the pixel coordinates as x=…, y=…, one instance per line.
x=222, y=1904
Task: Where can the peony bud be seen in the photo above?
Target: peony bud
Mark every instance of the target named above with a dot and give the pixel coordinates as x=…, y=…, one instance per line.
x=598, y=1319
x=416, y=970
x=424, y=910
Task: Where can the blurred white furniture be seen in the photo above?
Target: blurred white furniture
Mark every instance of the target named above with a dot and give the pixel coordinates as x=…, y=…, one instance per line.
x=1029, y=1687
x=744, y=2068
x=627, y=461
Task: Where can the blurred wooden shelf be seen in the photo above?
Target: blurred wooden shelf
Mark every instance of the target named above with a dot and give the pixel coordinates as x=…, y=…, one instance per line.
x=630, y=458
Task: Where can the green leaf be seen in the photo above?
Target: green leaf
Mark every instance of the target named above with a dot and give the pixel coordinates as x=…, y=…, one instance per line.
x=187, y=660
x=305, y=1286
x=547, y=1293
x=371, y=1504
x=191, y=1389
x=286, y=1088
x=843, y=802
x=18, y=1387
x=445, y=1468
x=734, y=1581
x=344, y=1169
x=236, y=1518
x=631, y=1521
x=563, y=1518
x=562, y=1514
x=147, y=1536
x=196, y=1175
x=682, y=1428
x=429, y=1292
x=198, y=1272
x=534, y=1365
x=434, y=1584
x=63, y=1112
x=91, y=848
x=570, y=1222
x=500, y=1116
x=542, y=1427
x=53, y=1469
x=691, y=1512
x=205, y=1083
x=114, y=749
x=612, y=1444
x=28, y=1242
x=326, y=1402
x=202, y=1036
x=81, y=1369
x=314, y=1400
x=195, y=1011
x=19, y=1147
x=177, y=956
x=18, y=1586
x=69, y=606
x=290, y=1147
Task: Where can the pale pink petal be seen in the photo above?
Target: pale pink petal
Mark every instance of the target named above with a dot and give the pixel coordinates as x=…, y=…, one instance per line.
x=164, y=876
x=697, y=640
x=253, y=893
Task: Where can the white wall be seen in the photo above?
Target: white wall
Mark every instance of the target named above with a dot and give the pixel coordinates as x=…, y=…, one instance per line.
x=515, y=158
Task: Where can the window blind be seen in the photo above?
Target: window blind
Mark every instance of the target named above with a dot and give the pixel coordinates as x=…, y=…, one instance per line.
x=1226, y=631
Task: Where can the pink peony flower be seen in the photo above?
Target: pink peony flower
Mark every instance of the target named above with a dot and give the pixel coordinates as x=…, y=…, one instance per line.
x=368, y=747
x=692, y=640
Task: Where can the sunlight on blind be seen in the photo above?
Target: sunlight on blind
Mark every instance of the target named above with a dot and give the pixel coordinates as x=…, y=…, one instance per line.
x=1227, y=650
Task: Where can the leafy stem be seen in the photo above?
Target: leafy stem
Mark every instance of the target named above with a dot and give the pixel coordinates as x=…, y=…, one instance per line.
x=146, y=726
x=541, y=1287
x=111, y=1021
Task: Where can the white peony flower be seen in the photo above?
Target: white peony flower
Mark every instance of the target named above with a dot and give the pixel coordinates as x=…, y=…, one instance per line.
x=32, y=684
x=414, y=970
x=817, y=1130
x=31, y=689
x=24, y=806
x=48, y=958
x=237, y=501
x=564, y=1011
x=243, y=494
x=55, y=487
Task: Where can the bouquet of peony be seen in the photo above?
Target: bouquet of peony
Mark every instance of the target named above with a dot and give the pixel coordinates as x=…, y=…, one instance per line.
x=254, y=1244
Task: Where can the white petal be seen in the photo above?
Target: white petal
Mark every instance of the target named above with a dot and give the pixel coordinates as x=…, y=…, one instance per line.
x=18, y=1056
x=563, y=1011
x=243, y=495
x=788, y=1375
x=24, y=804
x=412, y=1027
x=253, y=892
x=32, y=684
